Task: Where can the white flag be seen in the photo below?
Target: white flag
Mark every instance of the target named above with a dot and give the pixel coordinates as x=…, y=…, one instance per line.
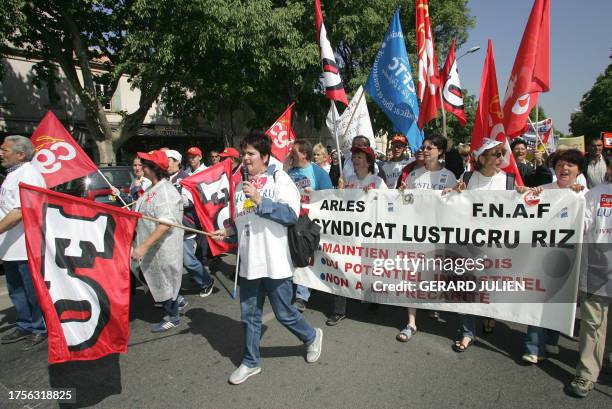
x=359, y=124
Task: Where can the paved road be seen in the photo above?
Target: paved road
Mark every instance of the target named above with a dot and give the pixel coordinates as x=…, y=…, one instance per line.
x=362, y=366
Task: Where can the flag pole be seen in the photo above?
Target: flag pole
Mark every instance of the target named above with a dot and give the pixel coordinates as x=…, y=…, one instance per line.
x=443, y=112
x=236, y=273
x=538, y=135
x=352, y=114
x=336, y=136
x=111, y=186
x=180, y=226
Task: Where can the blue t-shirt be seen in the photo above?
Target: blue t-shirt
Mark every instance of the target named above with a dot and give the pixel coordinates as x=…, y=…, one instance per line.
x=312, y=176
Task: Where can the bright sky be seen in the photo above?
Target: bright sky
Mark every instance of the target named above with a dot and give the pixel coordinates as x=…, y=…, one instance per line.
x=581, y=43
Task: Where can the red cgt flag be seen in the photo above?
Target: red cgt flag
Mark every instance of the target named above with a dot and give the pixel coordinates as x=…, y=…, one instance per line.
x=282, y=134
x=57, y=155
x=331, y=74
x=531, y=70
x=489, y=117
x=451, y=87
x=213, y=192
x=429, y=79
x=79, y=257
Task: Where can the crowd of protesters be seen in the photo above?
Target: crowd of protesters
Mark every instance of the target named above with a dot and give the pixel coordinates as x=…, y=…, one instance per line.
x=269, y=199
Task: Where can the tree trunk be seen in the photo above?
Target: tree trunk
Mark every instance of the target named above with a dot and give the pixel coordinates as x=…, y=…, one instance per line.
x=106, y=153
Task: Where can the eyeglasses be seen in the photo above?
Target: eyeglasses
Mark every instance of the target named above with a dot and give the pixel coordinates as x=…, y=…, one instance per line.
x=497, y=154
x=428, y=147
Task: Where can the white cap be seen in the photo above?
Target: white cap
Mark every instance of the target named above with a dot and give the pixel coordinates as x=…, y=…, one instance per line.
x=170, y=153
x=487, y=144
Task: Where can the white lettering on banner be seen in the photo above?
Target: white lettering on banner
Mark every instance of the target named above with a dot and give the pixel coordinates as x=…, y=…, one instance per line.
x=81, y=303
x=52, y=162
x=279, y=134
x=521, y=257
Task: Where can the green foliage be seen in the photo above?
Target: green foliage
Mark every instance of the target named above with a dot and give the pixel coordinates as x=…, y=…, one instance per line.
x=454, y=130
x=595, y=114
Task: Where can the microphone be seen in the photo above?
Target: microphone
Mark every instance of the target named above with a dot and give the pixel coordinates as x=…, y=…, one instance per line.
x=245, y=173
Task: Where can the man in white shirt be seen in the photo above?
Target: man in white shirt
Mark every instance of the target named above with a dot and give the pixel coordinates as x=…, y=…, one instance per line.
x=596, y=164
x=194, y=161
x=15, y=155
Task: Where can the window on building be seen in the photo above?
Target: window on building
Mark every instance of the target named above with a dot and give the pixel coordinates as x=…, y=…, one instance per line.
x=101, y=91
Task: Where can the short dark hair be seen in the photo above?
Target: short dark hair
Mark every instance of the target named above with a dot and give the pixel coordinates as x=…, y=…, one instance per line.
x=159, y=173
x=364, y=138
x=439, y=142
x=518, y=141
x=305, y=148
x=571, y=155
x=260, y=142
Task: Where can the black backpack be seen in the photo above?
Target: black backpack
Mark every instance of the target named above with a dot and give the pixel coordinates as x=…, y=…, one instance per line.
x=303, y=237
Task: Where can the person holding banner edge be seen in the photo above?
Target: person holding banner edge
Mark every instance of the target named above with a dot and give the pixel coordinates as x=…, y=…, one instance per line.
x=265, y=205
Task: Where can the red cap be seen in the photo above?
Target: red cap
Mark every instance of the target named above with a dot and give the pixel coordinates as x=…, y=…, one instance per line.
x=367, y=150
x=157, y=157
x=230, y=153
x=399, y=138
x=195, y=151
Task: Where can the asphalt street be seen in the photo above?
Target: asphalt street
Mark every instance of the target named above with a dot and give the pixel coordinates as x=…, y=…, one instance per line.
x=362, y=365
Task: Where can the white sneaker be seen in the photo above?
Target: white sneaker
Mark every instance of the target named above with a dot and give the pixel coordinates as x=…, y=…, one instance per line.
x=552, y=349
x=242, y=373
x=532, y=359
x=313, y=351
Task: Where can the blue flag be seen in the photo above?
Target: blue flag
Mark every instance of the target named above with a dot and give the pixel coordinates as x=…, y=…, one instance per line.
x=390, y=84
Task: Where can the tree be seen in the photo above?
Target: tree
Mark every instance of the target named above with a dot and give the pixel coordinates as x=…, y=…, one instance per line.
x=595, y=114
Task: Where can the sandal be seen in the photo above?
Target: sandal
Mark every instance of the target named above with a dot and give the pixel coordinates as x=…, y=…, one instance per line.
x=460, y=347
x=488, y=325
x=405, y=334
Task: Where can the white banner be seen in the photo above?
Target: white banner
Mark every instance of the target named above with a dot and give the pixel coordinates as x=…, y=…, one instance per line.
x=359, y=124
x=496, y=254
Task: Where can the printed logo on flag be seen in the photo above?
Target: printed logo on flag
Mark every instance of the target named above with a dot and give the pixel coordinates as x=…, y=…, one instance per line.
x=50, y=153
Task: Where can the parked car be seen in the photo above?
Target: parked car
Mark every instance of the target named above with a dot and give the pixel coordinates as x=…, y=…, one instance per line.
x=94, y=187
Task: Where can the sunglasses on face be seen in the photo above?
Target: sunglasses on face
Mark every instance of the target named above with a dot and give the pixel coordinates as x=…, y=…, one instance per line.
x=497, y=154
x=428, y=147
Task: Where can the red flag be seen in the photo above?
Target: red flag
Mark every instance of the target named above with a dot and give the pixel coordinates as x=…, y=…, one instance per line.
x=451, y=87
x=282, y=134
x=212, y=191
x=489, y=117
x=429, y=80
x=56, y=155
x=331, y=74
x=531, y=70
x=79, y=254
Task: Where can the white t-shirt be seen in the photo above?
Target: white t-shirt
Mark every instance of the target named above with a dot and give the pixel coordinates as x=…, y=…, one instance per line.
x=554, y=185
x=580, y=179
x=598, y=214
x=263, y=245
x=421, y=178
x=12, y=243
x=371, y=181
x=393, y=170
x=198, y=169
x=480, y=182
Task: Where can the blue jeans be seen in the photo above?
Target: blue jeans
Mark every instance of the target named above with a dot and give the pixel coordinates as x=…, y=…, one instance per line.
x=172, y=308
x=22, y=293
x=537, y=338
x=252, y=298
x=302, y=292
x=468, y=325
x=193, y=265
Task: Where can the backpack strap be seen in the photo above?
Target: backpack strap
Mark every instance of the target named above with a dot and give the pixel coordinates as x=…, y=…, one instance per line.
x=466, y=177
x=510, y=181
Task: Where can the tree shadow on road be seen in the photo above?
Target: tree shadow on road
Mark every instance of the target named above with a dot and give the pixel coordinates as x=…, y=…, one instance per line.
x=225, y=335
x=93, y=381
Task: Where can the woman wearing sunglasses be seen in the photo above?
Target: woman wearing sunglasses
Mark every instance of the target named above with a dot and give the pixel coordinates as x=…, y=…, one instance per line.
x=487, y=175
x=429, y=176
